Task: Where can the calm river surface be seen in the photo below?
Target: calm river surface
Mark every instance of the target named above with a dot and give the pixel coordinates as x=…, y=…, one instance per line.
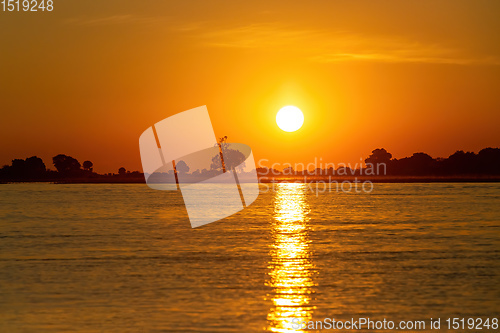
x=123, y=258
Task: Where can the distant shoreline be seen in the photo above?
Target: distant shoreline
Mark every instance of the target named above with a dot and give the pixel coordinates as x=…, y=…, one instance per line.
x=380, y=167
x=267, y=180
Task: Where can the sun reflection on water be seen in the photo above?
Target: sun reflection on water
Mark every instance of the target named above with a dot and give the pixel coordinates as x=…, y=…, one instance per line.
x=291, y=267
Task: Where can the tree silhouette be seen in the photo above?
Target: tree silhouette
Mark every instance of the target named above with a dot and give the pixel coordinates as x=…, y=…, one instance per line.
x=216, y=163
x=378, y=160
x=418, y=164
x=66, y=165
x=222, y=148
x=231, y=158
x=122, y=171
x=379, y=155
x=31, y=168
x=18, y=168
x=489, y=161
x=461, y=163
x=182, y=167
x=421, y=164
x=234, y=159
x=88, y=166
x=35, y=165
x=288, y=171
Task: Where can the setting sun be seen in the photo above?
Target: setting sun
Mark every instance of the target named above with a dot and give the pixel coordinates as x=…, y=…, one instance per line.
x=289, y=118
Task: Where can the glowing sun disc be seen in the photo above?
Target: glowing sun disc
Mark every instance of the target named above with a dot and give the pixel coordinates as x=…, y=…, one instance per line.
x=289, y=118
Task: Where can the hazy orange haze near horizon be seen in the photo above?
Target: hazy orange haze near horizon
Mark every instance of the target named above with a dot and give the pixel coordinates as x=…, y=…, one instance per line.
x=88, y=78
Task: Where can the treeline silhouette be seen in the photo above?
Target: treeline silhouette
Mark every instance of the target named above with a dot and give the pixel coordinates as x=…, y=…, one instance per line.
x=460, y=164
x=381, y=163
x=66, y=168
x=484, y=163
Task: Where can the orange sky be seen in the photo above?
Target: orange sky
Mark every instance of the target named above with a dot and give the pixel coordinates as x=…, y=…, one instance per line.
x=88, y=78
